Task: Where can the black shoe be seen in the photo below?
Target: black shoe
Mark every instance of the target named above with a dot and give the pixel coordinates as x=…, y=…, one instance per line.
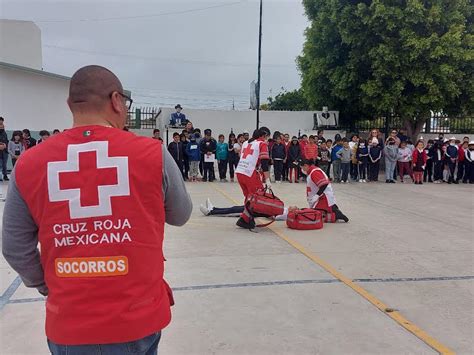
x=5, y=178
x=339, y=214
x=430, y=180
x=392, y=182
x=420, y=183
x=242, y=224
x=456, y=182
x=387, y=181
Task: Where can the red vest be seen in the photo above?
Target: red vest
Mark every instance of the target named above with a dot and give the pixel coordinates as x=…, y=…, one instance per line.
x=96, y=196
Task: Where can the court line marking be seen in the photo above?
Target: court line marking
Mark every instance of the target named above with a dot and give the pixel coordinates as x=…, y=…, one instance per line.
x=5, y=297
x=285, y=283
x=390, y=312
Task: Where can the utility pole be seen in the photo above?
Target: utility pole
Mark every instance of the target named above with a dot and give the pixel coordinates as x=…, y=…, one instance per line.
x=259, y=64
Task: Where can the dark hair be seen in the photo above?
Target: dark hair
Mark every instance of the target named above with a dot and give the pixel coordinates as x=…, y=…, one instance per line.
x=56, y=130
x=276, y=135
x=221, y=135
x=27, y=131
x=156, y=130
x=2, y=119
x=207, y=131
x=345, y=140
x=181, y=136
x=337, y=137
x=320, y=131
x=16, y=133
x=258, y=133
x=44, y=133
x=329, y=140
x=304, y=135
x=197, y=130
x=409, y=141
x=307, y=162
x=312, y=137
x=430, y=141
x=240, y=135
x=418, y=142
x=175, y=134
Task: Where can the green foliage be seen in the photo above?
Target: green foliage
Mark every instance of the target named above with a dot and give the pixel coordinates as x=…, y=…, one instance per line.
x=370, y=57
x=288, y=101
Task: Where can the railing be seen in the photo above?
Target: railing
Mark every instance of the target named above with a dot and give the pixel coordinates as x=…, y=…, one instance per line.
x=436, y=124
x=143, y=118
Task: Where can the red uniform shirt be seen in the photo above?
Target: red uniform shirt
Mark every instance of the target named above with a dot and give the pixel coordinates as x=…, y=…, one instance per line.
x=100, y=214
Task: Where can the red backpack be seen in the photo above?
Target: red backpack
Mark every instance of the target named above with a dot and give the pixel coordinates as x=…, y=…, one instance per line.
x=305, y=219
x=264, y=203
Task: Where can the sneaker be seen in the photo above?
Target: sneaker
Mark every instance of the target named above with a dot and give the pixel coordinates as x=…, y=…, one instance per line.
x=387, y=181
x=392, y=182
x=209, y=204
x=242, y=224
x=205, y=211
x=361, y=180
x=5, y=178
x=364, y=180
x=402, y=181
x=278, y=182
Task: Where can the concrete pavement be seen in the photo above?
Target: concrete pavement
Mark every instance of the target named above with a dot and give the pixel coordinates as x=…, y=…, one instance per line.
x=236, y=292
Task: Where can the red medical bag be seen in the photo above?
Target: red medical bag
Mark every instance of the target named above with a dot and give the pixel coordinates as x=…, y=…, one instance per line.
x=305, y=219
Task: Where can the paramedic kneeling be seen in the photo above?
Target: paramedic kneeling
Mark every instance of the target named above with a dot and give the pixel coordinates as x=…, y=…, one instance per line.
x=98, y=203
x=319, y=193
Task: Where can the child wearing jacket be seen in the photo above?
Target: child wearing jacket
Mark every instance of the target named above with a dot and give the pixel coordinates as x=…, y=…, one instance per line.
x=278, y=156
x=469, y=162
x=391, y=157
x=294, y=156
x=375, y=154
x=324, y=157
x=404, y=159
x=336, y=161
x=194, y=156
x=222, y=156
x=363, y=159
x=419, y=159
x=345, y=156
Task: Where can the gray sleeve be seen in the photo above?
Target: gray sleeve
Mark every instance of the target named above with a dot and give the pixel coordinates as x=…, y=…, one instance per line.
x=178, y=204
x=20, y=239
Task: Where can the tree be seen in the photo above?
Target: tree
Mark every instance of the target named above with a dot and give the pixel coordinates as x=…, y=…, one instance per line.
x=372, y=57
x=288, y=101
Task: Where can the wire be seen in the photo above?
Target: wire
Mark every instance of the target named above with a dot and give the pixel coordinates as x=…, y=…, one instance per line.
x=165, y=59
x=180, y=12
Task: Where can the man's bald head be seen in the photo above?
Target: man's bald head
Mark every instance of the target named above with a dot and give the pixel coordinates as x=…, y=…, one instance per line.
x=90, y=88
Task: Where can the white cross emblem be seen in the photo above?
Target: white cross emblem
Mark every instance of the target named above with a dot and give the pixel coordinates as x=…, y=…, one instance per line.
x=92, y=184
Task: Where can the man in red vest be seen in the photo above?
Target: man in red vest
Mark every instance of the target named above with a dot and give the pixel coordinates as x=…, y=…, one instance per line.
x=96, y=198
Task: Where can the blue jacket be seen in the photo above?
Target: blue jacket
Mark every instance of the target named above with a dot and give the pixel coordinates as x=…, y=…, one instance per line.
x=452, y=151
x=222, y=151
x=334, y=151
x=193, y=151
x=175, y=117
x=278, y=151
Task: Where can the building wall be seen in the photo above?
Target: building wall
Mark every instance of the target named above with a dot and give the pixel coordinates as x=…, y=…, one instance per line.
x=239, y=121
x=20, y=43
x=33, y=101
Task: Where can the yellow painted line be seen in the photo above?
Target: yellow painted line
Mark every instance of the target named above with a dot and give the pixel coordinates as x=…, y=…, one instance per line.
x=395, y=315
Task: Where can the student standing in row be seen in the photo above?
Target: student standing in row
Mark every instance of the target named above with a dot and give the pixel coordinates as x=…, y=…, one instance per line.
x=452, y=158
x=233, y=156
x=311, y=150
x=194, y=156
x=419, y=159
x=208, y=149
x=375, y=154
x=176, y=150
x=391, y=157
x=336, y=162
x=404, y=159
x=428, y=173
x=324, y=157
x=222, y=156
x=363, y=159
x=345, y=155
x=294, y=156
x=278, y=156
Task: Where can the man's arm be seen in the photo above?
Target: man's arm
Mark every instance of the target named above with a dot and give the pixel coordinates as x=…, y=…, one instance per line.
x=178, y=205
x=20, y=239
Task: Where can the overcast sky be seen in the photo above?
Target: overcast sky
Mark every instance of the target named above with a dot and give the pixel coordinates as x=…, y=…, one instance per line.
x=197, y=53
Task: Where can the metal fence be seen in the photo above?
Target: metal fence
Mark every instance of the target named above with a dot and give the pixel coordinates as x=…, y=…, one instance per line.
x=143, y=117
x=438, y=123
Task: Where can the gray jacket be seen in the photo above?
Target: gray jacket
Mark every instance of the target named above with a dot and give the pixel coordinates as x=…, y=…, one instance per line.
x=345, y=155
x=391, y=152
x=20, y=232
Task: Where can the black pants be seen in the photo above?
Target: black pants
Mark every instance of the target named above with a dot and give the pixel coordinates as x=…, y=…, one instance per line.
x=469, y=174
x=201, y=165
x=278, y=169
x=374, y=171
x=222, y=165
x=233, y=162
x=4, y=161
x=452, y=167
x=286, y=169
x=428, y=173
x=354, y=171
x=438, y=170
x=186, y=168
x=345, y=168
x=328, y=172
x=208, y=172
x=462, y=171
x=363, y=170
x=180, y=165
